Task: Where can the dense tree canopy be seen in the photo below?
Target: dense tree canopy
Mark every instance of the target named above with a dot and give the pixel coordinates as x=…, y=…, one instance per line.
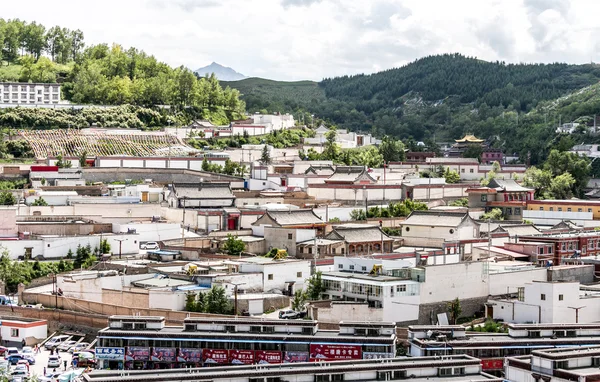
x=103, y=74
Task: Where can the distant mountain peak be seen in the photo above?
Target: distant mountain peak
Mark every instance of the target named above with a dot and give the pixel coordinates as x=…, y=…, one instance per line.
x=223, y=73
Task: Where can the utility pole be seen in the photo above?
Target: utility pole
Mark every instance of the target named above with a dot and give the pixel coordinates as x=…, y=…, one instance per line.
x=235, y=294
x=120, y=246
x=576, y=308
x=183, y=221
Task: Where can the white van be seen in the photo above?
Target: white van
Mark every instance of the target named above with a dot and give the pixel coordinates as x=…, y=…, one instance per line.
x=55, y=341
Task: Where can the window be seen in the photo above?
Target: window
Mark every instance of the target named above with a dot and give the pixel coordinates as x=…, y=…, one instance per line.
x=400, y=288
x=407, y=229
x=517, y=211
x=270, y=276
x=509, y=211
x=364, y=268
x=352, y=267
x=589, y=210
x=560, y=297
x=559, y=209
x=298, y=274
x=580, y=210
x=14, y=332
x=551, y=208
x=462, y=170
x=569, y=209
x=55, y=96
x=561, y=364
x=521, y=294
x=341, y=266
x=484, y=198
x=541, y=208
x=471, y=171
x=543, y=297
x=290, y=236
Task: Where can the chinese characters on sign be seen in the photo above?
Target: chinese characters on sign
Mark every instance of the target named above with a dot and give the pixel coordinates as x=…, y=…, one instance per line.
x=215, y=356
x=117, y=354
x=163, y=355
x=335, y=352
x=189, y=355
x=241, y=357
x=267, y=356
x=135, y=353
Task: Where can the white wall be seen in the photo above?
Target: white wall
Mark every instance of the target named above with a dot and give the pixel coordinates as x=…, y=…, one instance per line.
x=38, y=332
x=462, y=233
x=354, y=194
x=89, y=287
x=447, y=282
x=166, y=299
x=57, y=247
x=282, y=272
x=8, y=221
x=508, y=282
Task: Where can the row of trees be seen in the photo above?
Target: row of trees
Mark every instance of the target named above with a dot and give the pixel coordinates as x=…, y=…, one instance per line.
x=18, y=37
x=390, y=150
x=15, y=272
x=113, y=75
x=214, y=301
x=399, y=209
x=562, y=176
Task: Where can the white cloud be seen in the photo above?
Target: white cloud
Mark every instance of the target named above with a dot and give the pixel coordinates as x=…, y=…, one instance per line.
x=300, y=39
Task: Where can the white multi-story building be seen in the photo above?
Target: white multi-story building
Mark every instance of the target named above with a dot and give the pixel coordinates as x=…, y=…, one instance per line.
x=549, y=302
x=21, y=93
x=562, y=364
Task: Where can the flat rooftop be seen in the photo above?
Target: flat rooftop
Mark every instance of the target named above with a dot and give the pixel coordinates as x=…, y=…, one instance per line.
x=363, y=276
x=349, y=368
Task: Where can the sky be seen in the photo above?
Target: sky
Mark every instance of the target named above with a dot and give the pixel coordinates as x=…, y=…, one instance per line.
x=315, y=39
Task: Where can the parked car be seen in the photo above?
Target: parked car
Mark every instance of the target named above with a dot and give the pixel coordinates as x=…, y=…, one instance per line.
x=55, y=341
x=3, y=350
x=19, y=374
x=53, y=361
x=79, y=347
x=152, y=245
x=27, y=350
x=10, y=351
x=66, y=345
x=15, y=359
x=289, y=314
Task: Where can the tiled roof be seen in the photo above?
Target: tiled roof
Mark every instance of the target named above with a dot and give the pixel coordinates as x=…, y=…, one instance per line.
x=453, y=160
x=295, y=217
x=203, y=190
x=507, y=185
x=436, y=218
x=356, y=233
x=519, y=229
x=348, y=174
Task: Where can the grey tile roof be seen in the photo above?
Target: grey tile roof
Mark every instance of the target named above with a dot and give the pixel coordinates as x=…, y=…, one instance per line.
x=507, y=185
x=203, y=191
x=348, y=174
x=295, y=217
x=436, y=218
x=357, y=233
x=520, y=229
x=452, y=160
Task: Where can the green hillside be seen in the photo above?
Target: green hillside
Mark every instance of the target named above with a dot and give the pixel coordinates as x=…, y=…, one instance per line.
x=260, y=93
x=442, y=97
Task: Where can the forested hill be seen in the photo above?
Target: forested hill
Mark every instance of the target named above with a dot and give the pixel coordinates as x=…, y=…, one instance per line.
x=441, y=97
x=471, y=80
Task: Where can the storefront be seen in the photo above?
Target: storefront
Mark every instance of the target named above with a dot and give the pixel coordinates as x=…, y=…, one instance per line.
x=110, y=358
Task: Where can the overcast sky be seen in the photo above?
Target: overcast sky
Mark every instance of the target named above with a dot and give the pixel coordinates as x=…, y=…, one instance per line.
x=312, y=39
